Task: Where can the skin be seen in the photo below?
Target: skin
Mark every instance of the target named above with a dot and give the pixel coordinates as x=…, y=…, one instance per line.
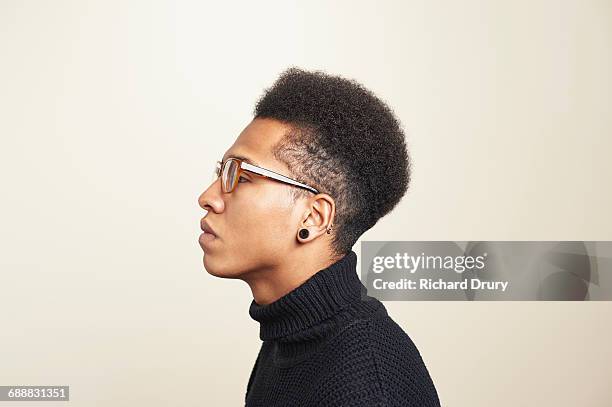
x=257, y=224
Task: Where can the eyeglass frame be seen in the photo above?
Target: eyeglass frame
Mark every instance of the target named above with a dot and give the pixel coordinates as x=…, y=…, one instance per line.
x=244, y=166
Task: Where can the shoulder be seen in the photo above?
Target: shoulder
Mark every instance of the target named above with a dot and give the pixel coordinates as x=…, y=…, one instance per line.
x=375, y=363
x=400, y=366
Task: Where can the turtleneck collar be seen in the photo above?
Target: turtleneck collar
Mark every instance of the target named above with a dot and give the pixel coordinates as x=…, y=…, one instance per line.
x=323, y=295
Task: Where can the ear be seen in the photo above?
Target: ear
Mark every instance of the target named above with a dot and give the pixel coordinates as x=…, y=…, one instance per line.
x=318, y=218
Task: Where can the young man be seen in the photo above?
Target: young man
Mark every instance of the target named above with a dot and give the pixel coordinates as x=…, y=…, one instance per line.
x=321, y=162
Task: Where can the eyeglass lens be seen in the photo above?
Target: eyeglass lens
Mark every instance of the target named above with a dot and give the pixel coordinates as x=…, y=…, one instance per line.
x=229, y=175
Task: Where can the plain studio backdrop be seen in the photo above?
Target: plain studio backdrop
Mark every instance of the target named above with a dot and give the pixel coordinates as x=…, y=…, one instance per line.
x=113, y=114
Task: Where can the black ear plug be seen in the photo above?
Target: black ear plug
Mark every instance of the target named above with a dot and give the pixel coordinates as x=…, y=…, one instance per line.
x=304, y=233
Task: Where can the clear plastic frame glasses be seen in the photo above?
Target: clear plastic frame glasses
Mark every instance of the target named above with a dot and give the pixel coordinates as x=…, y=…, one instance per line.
x=230, y=171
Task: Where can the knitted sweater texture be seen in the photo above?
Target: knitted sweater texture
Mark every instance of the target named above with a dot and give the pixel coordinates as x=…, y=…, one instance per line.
x=327, y=343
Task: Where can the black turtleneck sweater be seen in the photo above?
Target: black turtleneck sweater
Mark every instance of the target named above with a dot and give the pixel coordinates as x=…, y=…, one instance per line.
x=327, y=343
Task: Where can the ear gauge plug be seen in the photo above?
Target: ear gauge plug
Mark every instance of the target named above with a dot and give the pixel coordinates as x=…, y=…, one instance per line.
x=304, y=233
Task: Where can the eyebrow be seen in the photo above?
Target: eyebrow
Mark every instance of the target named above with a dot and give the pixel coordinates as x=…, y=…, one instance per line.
x=240, y=157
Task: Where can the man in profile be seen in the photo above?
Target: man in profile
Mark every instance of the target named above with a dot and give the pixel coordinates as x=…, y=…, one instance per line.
x=320, y=163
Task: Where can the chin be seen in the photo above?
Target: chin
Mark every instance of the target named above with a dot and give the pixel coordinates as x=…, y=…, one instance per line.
x=218, y=269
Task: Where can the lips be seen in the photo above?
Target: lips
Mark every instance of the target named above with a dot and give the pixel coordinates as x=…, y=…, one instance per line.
x=206, y=228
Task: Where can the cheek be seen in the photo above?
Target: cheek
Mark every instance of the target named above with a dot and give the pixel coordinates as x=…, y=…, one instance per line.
x=257, y=227
x=263, y=219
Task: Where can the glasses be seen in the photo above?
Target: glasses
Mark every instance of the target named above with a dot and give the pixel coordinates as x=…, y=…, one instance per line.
x=230, y=171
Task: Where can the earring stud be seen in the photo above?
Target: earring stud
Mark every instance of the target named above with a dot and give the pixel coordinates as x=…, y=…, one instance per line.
x=304, y=233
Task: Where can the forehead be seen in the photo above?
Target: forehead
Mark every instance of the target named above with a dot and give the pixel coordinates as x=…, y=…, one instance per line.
x=256, y=142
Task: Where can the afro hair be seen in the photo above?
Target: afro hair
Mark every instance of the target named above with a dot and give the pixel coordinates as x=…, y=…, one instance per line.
x=345, y=142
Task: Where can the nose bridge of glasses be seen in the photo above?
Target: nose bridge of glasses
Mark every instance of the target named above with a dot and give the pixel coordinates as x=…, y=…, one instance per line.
x=216, y=173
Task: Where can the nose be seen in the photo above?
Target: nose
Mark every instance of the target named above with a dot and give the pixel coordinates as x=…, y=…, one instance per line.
x=211, y=199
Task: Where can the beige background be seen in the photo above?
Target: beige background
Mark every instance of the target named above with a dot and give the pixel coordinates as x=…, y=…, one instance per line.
x=113, y=113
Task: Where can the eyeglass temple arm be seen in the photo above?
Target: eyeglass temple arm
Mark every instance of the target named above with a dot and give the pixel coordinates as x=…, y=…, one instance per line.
x=274, y=175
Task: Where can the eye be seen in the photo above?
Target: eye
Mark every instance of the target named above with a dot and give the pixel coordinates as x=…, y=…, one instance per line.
x=242, y=179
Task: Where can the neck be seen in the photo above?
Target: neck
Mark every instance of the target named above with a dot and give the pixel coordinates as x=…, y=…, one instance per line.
x=330, y=296
x=270, y=285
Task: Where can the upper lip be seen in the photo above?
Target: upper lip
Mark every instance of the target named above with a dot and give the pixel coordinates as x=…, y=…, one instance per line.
x=206, y=227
